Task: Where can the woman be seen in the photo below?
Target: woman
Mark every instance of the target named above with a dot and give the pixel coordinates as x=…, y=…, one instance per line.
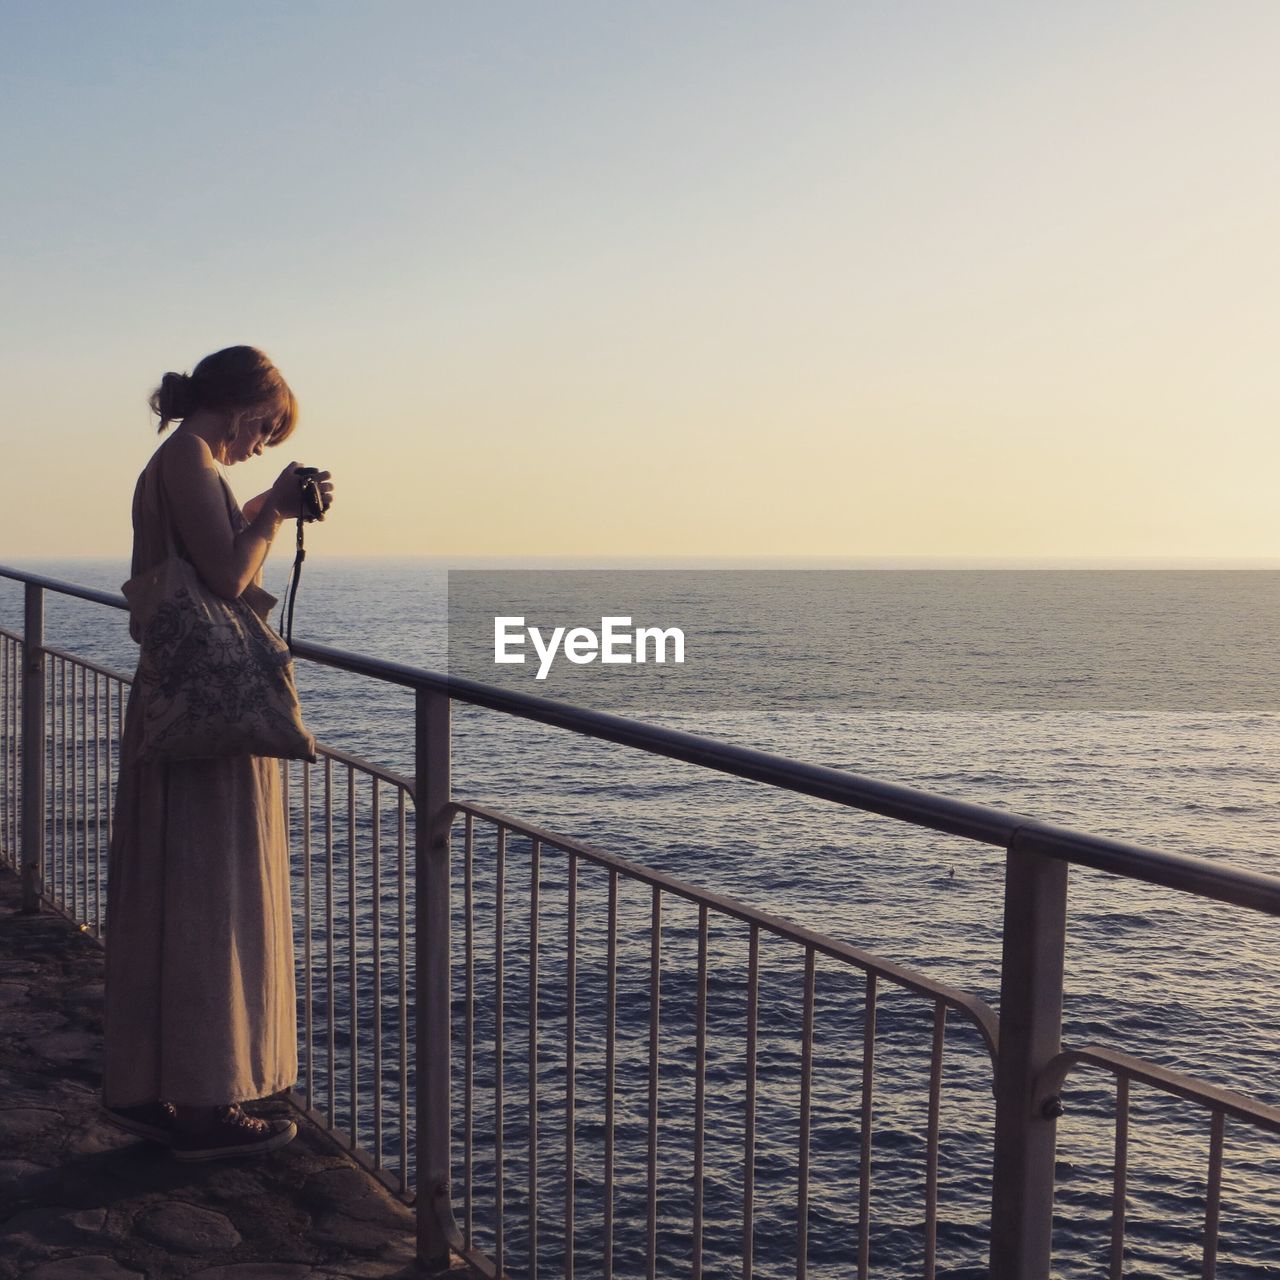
x=200, y=1003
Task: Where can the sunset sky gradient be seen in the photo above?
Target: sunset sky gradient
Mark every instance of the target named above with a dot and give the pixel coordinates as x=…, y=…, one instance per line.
x=818, y=279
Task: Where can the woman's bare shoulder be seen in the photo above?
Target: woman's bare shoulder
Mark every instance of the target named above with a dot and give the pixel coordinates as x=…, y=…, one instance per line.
x=185, y=451
x=186, y=462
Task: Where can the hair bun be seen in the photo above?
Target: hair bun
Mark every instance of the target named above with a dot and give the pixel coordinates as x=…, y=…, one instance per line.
x=173, y=398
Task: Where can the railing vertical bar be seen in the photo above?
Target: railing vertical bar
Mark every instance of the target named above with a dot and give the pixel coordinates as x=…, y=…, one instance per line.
x=19, y=782
x=49, y=816
x=82, y=876
x=86, y=801
x=402, y=926
x=9, y=717
x=1033, y=945
x=1118, y=1178
x=71, y=899
x=11, y=751
x=6, y=819
x=122, y=698
x=7, y=797
x=19, y=773
x=468, y=1028
x=77, y=788
x=806, y=1094
x=121, y=705
x=535, y=875
x=15, y=761
x=49, y=803
x=15, y=816
x=33, y=745
x=79, y=799
x=286, y=817
x=307, y=958
x=433, y=993
x=15, y=713
x=109, y=748
x=77, y=791
x=97, y=804
x=77, y=780
x=53, y=765
x=865, y=1117
x=571, y=1065
x=331, y=1079
x=6, y=834
x=107, y=797
x=610, y=1066
x=11, y=825
x=19, y=769
x=655, y=1009
x=6, y=825
x=6, y=788
x=375, y=859
x=700, y=1095
x=499, y=978
x=749, y=1138
x=353, y=954
x=1213, y=1196
x=69, y=842
x=62, y=844
x=931, y=1143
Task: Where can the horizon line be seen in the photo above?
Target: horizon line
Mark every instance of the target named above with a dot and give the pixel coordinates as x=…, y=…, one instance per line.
x=799, y=561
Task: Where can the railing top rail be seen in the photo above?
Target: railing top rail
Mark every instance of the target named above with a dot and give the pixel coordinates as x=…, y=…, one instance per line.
x=1200, y=876
x=111, y=600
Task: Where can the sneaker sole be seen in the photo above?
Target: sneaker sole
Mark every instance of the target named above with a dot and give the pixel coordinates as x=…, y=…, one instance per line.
x=135, y=1127
x=277, y=1139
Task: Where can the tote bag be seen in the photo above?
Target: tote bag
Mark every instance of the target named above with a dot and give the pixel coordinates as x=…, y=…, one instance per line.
x=213, y=678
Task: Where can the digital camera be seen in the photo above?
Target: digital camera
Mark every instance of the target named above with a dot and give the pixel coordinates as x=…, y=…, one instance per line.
x=312, y=498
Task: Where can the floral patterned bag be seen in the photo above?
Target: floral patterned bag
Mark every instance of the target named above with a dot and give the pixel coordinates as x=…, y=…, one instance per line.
x=213, y=678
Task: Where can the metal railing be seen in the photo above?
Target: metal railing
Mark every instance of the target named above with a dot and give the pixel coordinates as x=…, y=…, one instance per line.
x=60, y=726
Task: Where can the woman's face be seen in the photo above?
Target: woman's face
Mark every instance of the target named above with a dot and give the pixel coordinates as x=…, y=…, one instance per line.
x=251, y=438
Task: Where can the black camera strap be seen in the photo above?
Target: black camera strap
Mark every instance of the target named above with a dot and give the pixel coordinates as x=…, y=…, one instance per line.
x=311, y=506
x=291, y=591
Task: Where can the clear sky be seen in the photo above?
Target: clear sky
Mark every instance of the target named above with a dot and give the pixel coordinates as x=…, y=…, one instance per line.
x=841, y=279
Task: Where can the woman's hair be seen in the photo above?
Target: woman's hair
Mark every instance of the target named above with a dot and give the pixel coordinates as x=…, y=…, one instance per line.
x=238, y=380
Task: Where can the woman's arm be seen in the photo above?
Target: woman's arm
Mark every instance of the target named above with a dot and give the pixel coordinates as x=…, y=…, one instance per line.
x=254, y=505
x=227, y=561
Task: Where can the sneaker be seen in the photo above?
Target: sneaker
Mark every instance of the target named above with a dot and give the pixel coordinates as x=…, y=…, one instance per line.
x=153, y=1120
x=233, y=1133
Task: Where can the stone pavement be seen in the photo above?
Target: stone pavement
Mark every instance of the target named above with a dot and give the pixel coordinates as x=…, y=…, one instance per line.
x=79, y=1200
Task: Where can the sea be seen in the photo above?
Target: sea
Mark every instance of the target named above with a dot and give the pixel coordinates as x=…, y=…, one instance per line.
x=1135, y=704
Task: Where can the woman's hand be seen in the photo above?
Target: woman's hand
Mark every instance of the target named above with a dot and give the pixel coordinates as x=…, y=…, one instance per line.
x=285, y=495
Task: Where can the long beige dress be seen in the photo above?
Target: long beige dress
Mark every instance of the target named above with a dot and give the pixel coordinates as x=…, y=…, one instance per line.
x=200, y=1001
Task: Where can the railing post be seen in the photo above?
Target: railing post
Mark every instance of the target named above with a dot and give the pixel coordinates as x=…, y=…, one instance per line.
x=1035, y=917
x=32, y=747
x=431, y=950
